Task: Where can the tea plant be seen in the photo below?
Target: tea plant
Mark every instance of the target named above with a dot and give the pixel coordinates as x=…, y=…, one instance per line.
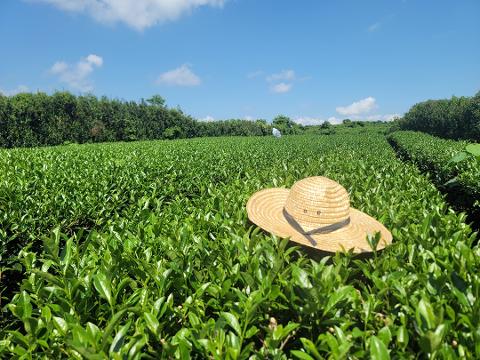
x=453, y=165
x=145, y=250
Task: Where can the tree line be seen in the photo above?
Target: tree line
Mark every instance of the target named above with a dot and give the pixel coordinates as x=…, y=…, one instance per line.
x=455, y=118
x=39, y=119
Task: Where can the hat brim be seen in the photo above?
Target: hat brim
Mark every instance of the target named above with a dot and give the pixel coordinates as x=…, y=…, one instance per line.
x=265, y=209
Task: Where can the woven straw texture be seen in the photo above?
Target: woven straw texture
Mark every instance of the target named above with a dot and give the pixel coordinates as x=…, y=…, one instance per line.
x=320, y=206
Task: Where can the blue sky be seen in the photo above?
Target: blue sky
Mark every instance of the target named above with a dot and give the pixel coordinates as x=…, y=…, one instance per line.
x=309, y=59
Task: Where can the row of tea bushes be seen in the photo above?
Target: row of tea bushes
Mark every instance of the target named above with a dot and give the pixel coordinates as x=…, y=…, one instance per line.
x=438, y=157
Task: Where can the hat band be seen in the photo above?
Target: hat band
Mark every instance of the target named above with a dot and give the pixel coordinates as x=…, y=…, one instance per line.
x=321, y=230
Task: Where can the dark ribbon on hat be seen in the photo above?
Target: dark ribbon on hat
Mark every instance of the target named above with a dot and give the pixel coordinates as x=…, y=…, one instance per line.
x=320, y=230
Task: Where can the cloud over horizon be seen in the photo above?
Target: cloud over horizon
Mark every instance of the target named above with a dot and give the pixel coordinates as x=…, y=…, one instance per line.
x=306, y=120
x=77, y=76
x=181, y=76
x=358, y=107
x=207, y=118
x=19, y=89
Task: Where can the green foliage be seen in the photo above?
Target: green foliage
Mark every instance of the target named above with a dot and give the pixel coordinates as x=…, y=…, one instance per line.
x=174, y=132
x=325, y=125
x=352, y=124
x=455, y=118
x=234, y=127
x=473, y=149
x=286, y=125
x=157, y=100
x=28, y=120
x=144, y=250
x=454, y=165
x=367, y=128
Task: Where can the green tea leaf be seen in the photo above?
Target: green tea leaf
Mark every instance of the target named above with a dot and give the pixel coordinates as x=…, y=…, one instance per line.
x=301, y=277
x=378, y=350
x=473, y=149
x=119, y=338
x=425, y=314
x=301, y=355
x=61, y=325
x=459, y=157
x=232, y=321
x=102, y=284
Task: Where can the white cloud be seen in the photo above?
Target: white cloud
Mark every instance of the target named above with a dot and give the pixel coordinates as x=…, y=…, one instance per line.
x=282, y=82
x=306, y=120
x=374, y=27
x=77, y=76
x=376, y=117
x=284, y=75
x=19, y=89
x=249, y=118
x=138, y=14
x=334, y=120
x=254, y=74
x=281, y=88
x=207, y=118
x=359, y=107
x=181, y=76
x=390, y=117
x=95, y=60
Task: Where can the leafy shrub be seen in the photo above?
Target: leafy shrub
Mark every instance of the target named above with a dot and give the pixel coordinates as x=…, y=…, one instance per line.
x=447, y=161
x=455, y=118
x=28, y=120
x=174, y=132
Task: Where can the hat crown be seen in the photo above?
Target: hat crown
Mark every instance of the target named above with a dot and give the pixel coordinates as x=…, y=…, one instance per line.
x=318, y=201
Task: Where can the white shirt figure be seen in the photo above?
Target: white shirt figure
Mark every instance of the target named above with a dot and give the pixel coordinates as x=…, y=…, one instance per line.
x=276, y=133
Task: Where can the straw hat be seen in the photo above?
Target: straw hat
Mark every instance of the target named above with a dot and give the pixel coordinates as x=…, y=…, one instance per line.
x=316, y=212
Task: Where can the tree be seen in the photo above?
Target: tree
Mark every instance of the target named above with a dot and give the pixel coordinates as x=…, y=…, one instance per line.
x=282, y=120
x=174, y=132
x=157, y=100
x=285, y=124
x=325, y=125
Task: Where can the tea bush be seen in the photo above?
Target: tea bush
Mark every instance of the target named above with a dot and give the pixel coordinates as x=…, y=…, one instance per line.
x=439, y=157
x=133, y=250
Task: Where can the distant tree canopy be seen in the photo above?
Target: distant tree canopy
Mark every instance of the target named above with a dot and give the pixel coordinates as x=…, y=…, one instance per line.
x=39, y=119
x=455, y=118
x=286, y=125
x=157, y=100
x=350, y=123
x=234, y=127
x=326, y=125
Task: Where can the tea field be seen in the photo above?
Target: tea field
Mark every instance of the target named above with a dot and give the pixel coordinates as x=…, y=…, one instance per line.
x=446, y=160
x=144, y=250
x=453, y=166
